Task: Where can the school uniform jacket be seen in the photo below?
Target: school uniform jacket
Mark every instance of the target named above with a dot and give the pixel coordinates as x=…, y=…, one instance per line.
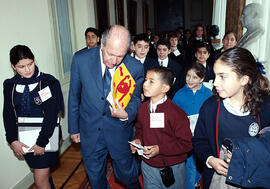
x=179, y=75
x=149, y=63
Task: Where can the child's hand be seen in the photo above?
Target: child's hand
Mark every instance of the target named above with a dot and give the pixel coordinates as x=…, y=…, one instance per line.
x=133, y=148
x=38, y=151
x=219, y=165
x=151, y=151
x=16, y=146
x=229, y=156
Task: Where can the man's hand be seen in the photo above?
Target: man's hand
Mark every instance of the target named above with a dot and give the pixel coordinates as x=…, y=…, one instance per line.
x=38, y=151
x=219, y=165
x=151, y=151
x=133, y=148
x=118, y=112
x=16, y=146
x=75, y=137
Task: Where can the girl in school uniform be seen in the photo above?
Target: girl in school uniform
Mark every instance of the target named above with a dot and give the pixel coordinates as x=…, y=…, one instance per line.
x=229, y=41
x=239, y=109
x=190, y=98
x=21, y=99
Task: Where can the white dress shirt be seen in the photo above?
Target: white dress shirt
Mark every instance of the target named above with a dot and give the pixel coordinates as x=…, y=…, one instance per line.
x=164, y=62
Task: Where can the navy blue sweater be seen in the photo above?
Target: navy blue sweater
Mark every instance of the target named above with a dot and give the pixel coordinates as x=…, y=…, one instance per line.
x=51, y=108
x=204, y=140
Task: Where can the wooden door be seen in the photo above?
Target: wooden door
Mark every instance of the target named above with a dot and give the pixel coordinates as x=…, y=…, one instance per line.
x=233, y=15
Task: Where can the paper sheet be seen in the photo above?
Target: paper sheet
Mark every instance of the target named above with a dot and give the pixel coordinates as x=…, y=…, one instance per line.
x=193, y=120
x=29, y=138
x=140, y=149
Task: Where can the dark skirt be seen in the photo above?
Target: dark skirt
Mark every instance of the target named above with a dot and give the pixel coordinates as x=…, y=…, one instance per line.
x=48, y=160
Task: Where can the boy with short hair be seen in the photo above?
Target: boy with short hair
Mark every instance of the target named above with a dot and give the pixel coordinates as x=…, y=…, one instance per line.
x=163, y=50
x=163, y=129
x=141, y=45
x=202, y=55
x=176, y=53
x=92, y=37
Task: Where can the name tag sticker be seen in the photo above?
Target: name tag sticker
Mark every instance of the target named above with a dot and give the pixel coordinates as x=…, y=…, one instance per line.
x=176, y=53
x=45, y=94
x=157, y=120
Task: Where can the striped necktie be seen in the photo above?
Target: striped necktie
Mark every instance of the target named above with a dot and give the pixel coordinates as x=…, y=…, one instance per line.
x=107, y=82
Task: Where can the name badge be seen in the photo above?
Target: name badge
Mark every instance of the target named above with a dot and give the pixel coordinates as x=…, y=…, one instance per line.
x=156, y=120
x=176, y=53
x=45, y=94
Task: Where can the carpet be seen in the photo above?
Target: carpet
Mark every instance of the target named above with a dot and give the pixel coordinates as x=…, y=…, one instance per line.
x=113, y=183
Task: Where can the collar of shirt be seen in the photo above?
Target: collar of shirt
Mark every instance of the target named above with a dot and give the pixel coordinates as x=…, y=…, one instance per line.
x=204, y=64
x=153, y=107
x=199, y=38
x=234, y=110
x=20, y=88
x=174, y=48
x=222, y=49
x=103, y=66
x=164, y=62
x=140, y=59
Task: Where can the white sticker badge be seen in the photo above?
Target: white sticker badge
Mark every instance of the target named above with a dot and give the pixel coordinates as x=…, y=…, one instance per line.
x=176, y=52
x=156, y=120
x=45, y=94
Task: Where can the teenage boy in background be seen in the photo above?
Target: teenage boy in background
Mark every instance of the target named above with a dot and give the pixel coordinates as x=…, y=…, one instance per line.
x=163, y=50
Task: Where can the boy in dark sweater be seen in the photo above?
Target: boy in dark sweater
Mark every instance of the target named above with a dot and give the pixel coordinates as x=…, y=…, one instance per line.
x=163, y=129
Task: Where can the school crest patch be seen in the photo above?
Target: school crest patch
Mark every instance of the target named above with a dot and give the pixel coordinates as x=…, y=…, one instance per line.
x=37, y=100
x=253, y=129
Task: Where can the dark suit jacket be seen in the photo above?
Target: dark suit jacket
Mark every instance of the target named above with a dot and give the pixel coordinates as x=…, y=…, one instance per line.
x=153, y=51
x=149, y=63
x=181, y=58
x=178, y=74
x=250, y=162
x=88, y=110
x=209, y=72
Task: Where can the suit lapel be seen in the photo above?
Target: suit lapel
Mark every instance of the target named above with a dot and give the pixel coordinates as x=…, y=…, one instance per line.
x=95, y=70
x=170, y=64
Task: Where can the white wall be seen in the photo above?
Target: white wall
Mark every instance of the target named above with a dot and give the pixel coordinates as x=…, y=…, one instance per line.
x=33, y=23
x=83, y=17
x=22, y=24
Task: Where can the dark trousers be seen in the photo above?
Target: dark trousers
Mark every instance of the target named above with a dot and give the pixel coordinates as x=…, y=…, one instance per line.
x=125, y=170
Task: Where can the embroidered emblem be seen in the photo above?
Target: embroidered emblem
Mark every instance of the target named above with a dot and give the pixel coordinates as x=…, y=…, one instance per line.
x=37, y=100
x=253, y=129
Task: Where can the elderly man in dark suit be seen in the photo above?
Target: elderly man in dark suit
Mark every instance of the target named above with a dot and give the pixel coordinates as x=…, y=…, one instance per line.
x=97, y=124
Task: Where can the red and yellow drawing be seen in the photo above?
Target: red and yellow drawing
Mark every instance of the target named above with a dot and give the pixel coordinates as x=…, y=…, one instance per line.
x=123, y=85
